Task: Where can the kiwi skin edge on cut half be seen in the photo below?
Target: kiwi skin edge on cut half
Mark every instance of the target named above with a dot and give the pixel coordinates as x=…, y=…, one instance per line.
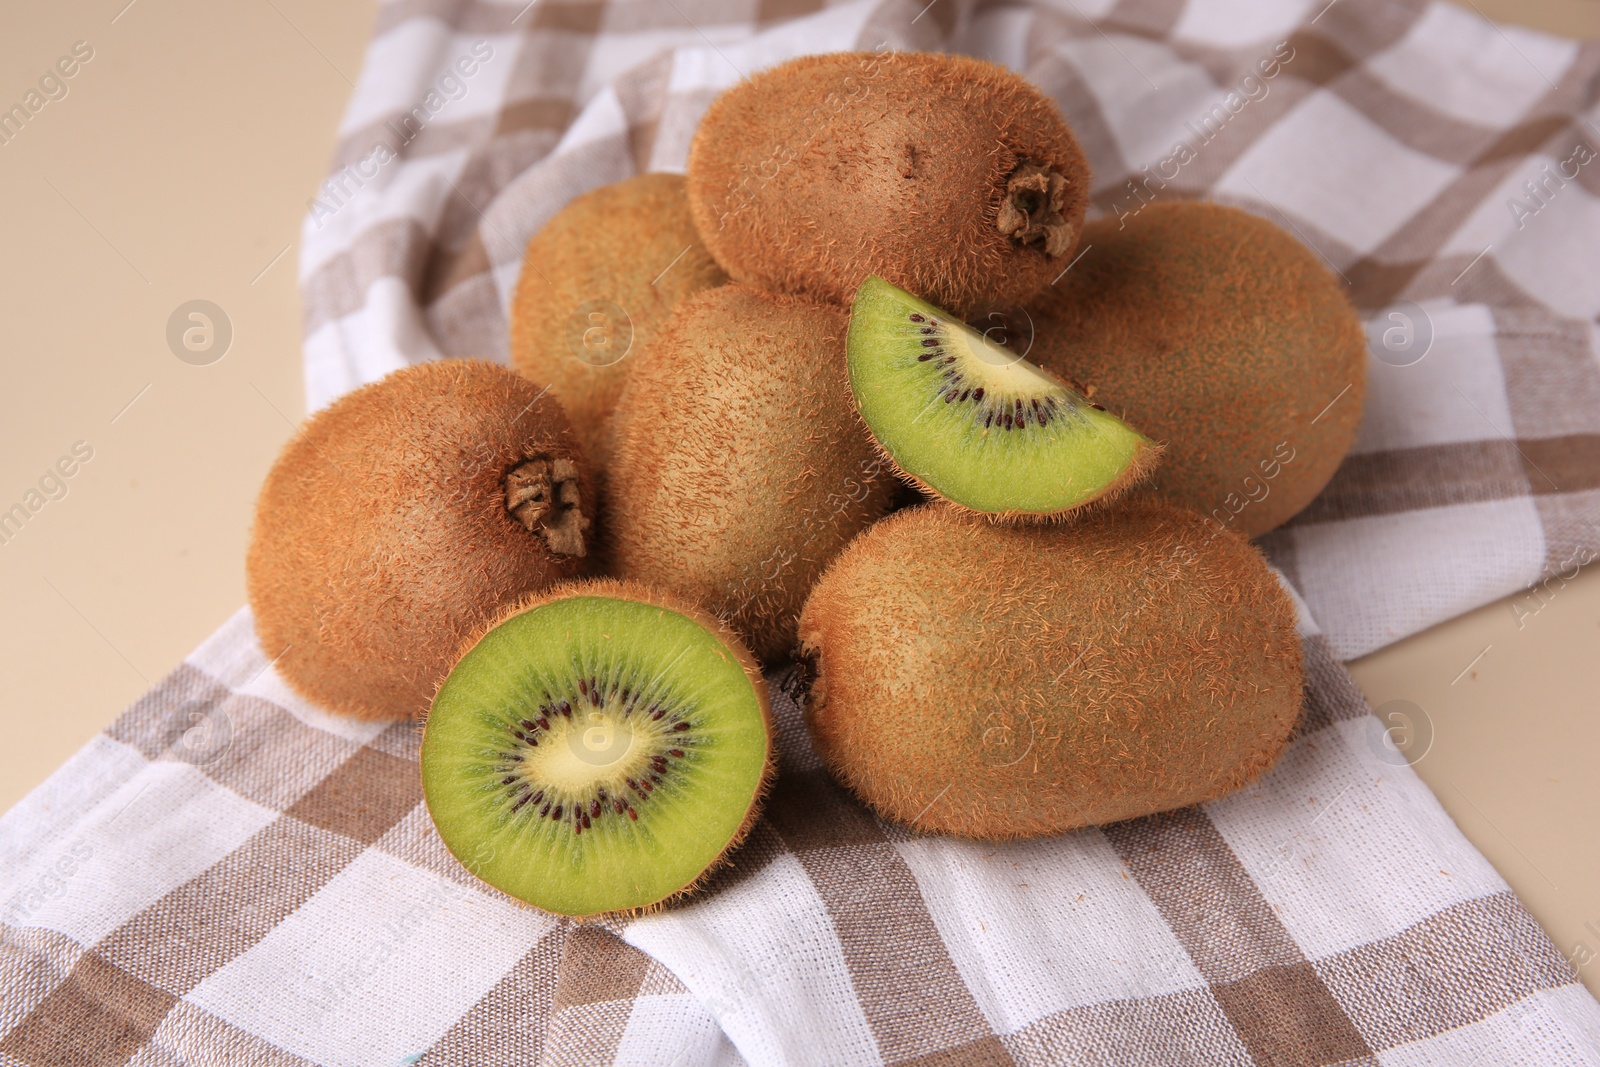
x=976, y=424
x=598, y=749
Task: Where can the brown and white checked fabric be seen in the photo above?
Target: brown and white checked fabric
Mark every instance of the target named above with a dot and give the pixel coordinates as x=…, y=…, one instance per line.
x=230, y=875
x=269, y=890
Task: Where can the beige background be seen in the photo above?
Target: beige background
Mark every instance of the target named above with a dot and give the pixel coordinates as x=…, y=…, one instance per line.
x=178, y=167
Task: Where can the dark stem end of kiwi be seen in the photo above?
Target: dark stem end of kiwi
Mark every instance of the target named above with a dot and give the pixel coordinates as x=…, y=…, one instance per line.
x=542, y=494
x=797, y=682
x=1033, y=210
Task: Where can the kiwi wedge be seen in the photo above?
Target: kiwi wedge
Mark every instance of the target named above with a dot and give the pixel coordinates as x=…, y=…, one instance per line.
x=973, y=422
x=598, y=749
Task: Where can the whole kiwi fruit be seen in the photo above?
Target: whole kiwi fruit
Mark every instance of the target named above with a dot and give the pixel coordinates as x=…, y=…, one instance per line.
x=739, y=467
x=995, y=682
x=948, y=176
x=598, y=280
x=1224, y=338
x=400, y=520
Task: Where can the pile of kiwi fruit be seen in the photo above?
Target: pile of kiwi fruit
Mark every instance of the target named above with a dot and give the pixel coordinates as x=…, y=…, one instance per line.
x=747, y=422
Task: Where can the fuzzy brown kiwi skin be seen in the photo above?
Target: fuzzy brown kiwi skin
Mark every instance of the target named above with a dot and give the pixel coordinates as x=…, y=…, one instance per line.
x=932, y=616
x=384, y=534
x=1221, y=335
x=667, y=601
x=631, y=244
x=740, y=466
x=810, y=176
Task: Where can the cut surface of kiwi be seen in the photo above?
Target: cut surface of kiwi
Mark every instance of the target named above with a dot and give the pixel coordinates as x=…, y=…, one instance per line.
x=974, y=422
x=597, y=750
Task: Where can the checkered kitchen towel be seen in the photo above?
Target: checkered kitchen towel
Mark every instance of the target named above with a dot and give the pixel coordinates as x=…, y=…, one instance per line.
x=231, y=875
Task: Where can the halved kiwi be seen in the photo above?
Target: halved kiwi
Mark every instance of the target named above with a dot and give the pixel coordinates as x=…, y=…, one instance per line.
x=598, y=749
x=975, y=423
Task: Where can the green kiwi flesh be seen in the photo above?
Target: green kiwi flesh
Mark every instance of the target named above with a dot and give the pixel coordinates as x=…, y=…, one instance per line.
x=595, y=753
x=975, y=423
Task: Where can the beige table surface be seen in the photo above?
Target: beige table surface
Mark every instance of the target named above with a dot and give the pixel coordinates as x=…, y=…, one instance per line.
x=178, y=166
